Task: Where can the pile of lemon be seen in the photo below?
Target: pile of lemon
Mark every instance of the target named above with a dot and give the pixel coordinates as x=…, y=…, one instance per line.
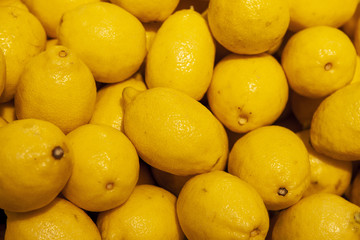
x=180, y=119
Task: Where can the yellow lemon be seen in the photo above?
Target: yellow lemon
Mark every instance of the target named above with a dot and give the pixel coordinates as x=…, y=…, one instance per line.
x=248, y=27
x=145, y=174
x=349, y=27
x=304, y=108
x=318, y=61
x=22, y=37
x=309, y=13
x=13, y=3
x=2, y=71
x=275, y=162
x=49, y=13
x=7, y=111
x=35, y=164
x=3, y=122
x=148, y=214
x=182, y=55
x=109, y=157
x=334, y=131
x=242, y=89
x=110, y=40
x=218, y=205
x=355, y=189
x=148, y=11
x=109, y=109
x=173, y=132
x=356, y=77
x=58, y=87
x=60, y=220
x=326, y=174
x=321, y=216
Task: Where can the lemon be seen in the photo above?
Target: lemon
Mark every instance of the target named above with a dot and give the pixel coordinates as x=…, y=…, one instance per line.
x=110, y=40
x=182, y=55
x=242, y=89
x=327, y=174
x=248, y=27
x=106, y=155
x=13, y=3
x=3, y=122
x=7, y=111
x=148, y=11
x=316, y=68
x=334, y=131
x=58, y=87
x=49, y=13
x=145, y=174
x=304, y=108
x=35, y=164
x=309, y=13
x=356, y=77
x=349, y=27
x=60, y=220
x=275, y=162
x=22, y=37
x=173, y=132
x=319, y=216
x=2, y=71
x=218, y=205
x=148, y=214
x=109, y=109
x=355, y=189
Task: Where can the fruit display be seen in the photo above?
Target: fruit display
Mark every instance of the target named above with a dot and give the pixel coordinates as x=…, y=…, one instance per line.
x=179, y=120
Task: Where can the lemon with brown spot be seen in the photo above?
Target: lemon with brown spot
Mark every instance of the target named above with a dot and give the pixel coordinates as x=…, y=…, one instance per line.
x=275, y=162
x=321, y=66
x=35, y=164
x=218, y=205
x=59, y=220
x=109, y=157
x=173, y=132
x=242, y=88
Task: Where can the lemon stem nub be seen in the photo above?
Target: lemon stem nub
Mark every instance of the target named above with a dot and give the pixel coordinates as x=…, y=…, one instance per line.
x=328, y=66
x=357, y=217
x=242, y=120
x=109, y=186
x=282, y=191
x=62, y=53
x=57, y=152
x=254, y=232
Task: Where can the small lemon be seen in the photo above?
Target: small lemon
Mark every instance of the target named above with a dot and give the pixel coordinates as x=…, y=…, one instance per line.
x=320, y=216
x=49, y=12
x=275, y=162
x=58, y=87
x=326, y=174
x=148, y=214
x=109, y=109
x=248, y=27
x=106, y=155
x=304, y=108
x=218, y=205
x=247, y=92
x=318, y=61
x=22, y=37
x=59, y=220
x=35, y=164
x=110, y=40
x=7, y=111
x=355, y=190
x=173, y=132
x=309, y=13
x=148, y=11
x=334, y=131
x=182, y=55
x=3, y=122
